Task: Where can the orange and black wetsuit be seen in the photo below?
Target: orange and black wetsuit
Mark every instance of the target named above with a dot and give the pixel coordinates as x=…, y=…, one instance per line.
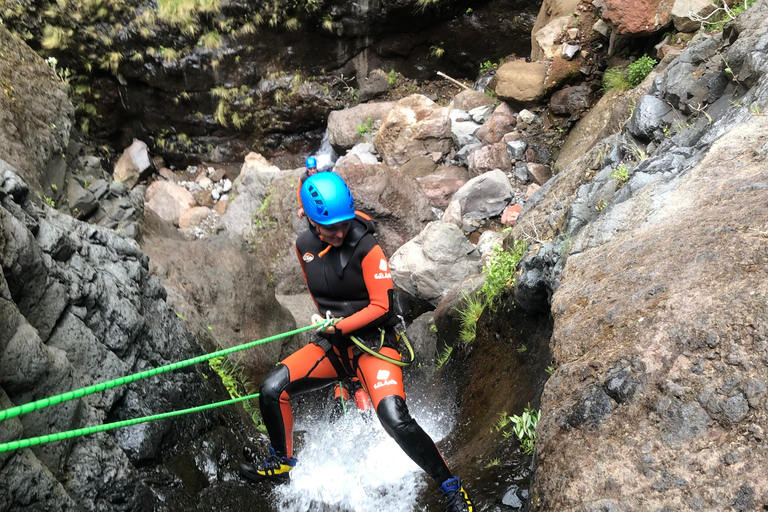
x=354, y=282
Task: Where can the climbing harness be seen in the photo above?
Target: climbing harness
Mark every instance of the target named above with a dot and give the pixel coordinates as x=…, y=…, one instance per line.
x=399, y=329
x=78, y=393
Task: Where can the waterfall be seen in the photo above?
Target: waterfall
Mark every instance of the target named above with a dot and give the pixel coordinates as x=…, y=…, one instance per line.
x=325, y=155
x=353, y=465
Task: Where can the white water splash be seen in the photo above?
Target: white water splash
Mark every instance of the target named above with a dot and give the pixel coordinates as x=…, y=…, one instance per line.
x=353, y=465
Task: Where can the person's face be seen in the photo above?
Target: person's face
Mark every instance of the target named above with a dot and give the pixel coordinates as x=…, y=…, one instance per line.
x=333, y=234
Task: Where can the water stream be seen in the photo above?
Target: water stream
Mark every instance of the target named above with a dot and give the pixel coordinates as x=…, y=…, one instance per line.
x=353, y=465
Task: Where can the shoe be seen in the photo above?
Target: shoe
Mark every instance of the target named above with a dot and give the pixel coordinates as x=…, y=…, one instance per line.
x=456, y=499
x=272, y=468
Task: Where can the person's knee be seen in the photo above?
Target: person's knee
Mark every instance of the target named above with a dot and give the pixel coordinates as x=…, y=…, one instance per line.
x=274, y=384
x=394, y=416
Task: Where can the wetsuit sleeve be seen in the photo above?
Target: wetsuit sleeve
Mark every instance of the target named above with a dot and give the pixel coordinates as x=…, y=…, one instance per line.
x=298, y=193
x=378, y=282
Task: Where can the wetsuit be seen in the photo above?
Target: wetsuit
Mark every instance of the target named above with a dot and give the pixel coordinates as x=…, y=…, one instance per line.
x=354, y=282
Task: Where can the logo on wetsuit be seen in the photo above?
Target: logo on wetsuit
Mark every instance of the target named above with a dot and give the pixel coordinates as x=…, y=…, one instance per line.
x=382, y=377
x=384, y=274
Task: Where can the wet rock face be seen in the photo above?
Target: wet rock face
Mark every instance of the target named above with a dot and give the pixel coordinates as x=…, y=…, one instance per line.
x=215, y=85
x=641, y=341
x=80, y=307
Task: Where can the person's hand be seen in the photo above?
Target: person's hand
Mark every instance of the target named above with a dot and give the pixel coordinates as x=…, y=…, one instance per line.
x=300, y=213
x=319, y=319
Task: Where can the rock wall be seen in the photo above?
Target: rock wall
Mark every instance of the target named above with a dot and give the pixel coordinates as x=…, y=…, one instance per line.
x=78, y=306
x=212, y=83
x=660, y=295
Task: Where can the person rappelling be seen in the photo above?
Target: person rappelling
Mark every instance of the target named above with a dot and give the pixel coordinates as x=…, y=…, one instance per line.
x=348, y=277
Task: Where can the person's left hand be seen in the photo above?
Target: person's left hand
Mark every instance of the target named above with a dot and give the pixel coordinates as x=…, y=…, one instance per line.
x=331, y=329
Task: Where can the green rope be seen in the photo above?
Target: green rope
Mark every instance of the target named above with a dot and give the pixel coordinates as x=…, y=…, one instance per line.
x=60, y=436
x=95, y=388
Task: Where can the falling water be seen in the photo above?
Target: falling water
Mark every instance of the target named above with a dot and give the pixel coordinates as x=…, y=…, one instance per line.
x=326, y=156
x=352, y=465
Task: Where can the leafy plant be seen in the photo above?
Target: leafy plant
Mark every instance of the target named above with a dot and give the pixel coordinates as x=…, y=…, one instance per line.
x=601, y=204
x=500, y=269
x=50, y=202
x=638, y=70
x=524, y=428
x=392, y=77
x=366, y=127
x=550, y=370
x=486, y=66
x=620, y=174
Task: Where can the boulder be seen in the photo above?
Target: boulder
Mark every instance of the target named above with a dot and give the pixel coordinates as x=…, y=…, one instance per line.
x=168, y=200
x=501, y=122
x=373, y=86
x=433, y=262
x=520, y=81
x=469, y=99
x=647, y=118
x=416, y=126
x=133, y=164
x=550, y=10
x=637, y=17
x=489, y=158
x=394, y=201
x=443, y=184
x=684, y=11
x=571, y=101
x=482, y=197
x=343, y=132
x=463, y=128
x=418, y=167
x=548, y=36
x=194, y=217
x=561, y=72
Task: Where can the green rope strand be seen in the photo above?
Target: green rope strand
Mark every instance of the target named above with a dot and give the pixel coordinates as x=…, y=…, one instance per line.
x=60, y=436
x=95, y=388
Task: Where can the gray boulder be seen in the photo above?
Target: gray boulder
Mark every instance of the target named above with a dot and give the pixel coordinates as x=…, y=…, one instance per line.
x=437, y=259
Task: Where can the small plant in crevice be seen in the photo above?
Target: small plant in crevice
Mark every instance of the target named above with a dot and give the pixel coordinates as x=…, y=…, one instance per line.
x=615, y=78
x=469, y=313
x=500, y=271
x=237, y=385
x=621, y=175
x=601, y=205
x=392, y=79
x=366, y=127
x=436, y=51
x=443, y=357
x=524, y=428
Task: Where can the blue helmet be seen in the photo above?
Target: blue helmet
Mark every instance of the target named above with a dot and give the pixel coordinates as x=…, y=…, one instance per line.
x=326, y=199
x=311, y=163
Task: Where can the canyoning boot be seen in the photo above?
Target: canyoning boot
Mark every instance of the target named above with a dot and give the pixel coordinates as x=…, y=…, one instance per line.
x=272, y=468
x=456, y=499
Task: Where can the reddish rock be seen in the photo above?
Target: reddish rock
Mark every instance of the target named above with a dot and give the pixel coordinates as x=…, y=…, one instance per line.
x=530, y=155
x=501, y=122
x=221, y=206
x=440, y=189
x=203, y=197
x=418, y=167
x=511, y=214
x=637, y=17
x=489, y=158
